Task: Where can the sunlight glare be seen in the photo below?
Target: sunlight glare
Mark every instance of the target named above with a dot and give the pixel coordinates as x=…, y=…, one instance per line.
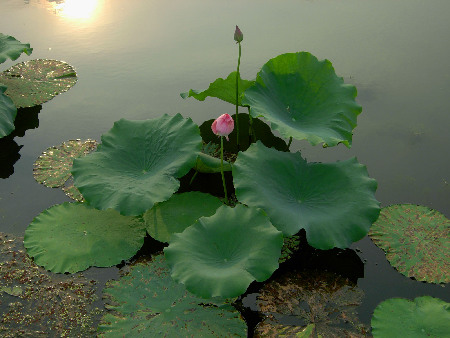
x=78, y=9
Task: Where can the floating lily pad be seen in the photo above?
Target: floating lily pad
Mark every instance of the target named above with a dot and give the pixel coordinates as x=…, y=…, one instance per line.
x=303, y=98
x=10, y=48
x=148, y=303
x=38, y=303
x=424, y=317
x=416, y=240
x=71, y=237
x=138, y=163
x=290, y=245
x=321, y=298
x=52, y=168
x=222, y=254
x=178, y=213
x=333, y=202
x=221, y=89
x=37, y=81
x=8, y=112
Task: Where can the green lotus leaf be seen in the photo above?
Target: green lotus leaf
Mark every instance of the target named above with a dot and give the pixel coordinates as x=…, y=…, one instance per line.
x=8, y=112
x=324, y=299
x=222, y=254
x=10, y=48
x=52, y=168
x=221, y=89
x=416, y=241
x=424, y=317
x=34, y=82
x=261, y=131
x=148, y=303
x=303, y=98
x=179, y=212
x=138, y=163
x=208, y=160
x=333, y=202
x=71, y=237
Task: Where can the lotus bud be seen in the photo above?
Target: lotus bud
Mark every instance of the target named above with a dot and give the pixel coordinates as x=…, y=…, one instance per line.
x=223, y=125
x=238, y=36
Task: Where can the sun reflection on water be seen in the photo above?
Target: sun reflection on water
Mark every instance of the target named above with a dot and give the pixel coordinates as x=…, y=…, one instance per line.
x=74, y=10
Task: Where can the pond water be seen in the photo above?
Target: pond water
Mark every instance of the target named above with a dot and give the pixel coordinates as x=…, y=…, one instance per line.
x=133, y=58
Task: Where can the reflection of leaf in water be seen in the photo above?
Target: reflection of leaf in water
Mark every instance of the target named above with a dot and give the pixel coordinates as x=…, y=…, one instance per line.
x=37, y=81
x=41, y=303
x=148, y=303
x=321, y=298
x=52, y=168
x=416, y=241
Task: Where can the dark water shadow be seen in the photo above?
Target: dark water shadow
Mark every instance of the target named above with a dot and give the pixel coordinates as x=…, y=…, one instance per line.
x=27, y=118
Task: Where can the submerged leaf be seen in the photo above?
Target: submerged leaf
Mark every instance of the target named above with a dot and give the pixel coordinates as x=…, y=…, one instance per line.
x=138, y=163
x=221, y=89
x=222, y=254
x=148, y=303
x=53, y=167
x=34, y=82
x=71, y=237
x=178, y=213
x=303, y=98
x=8, y=113
x=416, y=240
x=333, y=202
x=423, y=317
x=321, y=298
x=10, y=48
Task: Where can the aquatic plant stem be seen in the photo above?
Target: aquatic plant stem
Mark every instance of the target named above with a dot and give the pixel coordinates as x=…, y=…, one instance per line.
x=289, y=144
x=237, y=96
x=221, y=170
x=251, y=131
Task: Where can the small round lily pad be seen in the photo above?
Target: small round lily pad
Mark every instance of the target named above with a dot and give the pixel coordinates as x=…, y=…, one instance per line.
x=416, y=240
x=148, y=303
x=37, y=81
x=71, y=237
x=423, y=317
x=53, y=167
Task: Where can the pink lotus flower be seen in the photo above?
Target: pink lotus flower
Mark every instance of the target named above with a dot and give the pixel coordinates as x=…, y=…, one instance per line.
x=238, y=36
x=223, y=125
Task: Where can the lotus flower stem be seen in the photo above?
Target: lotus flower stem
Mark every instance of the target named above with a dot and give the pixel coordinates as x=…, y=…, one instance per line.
x=237, y=96
x=289, y=144
x=193, y=177
x=221, y=170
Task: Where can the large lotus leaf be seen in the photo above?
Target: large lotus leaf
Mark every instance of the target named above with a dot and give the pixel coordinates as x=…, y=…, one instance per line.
x=179, y=212
x=138, y=163
x=333, y=202
x=261, y=131
x=303, y=98
x=37, y=81
x=148, y=303
x=322, y=298
x=52, y=168
x=424, y=317
x=222, y=89
x=416, y=240
x=10, y=48
x=8, y=112
x=222, y=254
x=71, y=237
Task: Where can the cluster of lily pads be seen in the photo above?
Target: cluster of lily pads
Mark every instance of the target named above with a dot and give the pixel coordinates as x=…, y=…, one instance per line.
x=129, y=187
